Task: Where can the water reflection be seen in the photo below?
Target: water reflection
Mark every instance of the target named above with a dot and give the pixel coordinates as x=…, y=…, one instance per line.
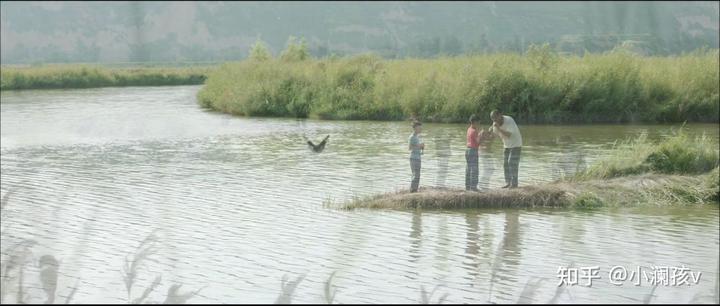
x=442, y=248
x=488, y=163
x=571, y=159
x=415, y=236
x=472, y=259
x=443, y=152
x=507, y=256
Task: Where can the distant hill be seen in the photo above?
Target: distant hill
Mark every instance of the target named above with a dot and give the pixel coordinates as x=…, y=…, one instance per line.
x=34, y=32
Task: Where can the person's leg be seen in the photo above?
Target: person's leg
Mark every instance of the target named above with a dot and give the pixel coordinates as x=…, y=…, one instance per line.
x=468, y=172
x=417, y=180
x=474, y=169
x=415, y=167
x=515, y=165
x=506, y=167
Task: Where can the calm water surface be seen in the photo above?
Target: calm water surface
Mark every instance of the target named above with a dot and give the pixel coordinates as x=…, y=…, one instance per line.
x=238, y=203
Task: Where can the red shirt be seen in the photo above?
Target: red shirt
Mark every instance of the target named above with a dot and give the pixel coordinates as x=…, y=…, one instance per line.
x=472, y=135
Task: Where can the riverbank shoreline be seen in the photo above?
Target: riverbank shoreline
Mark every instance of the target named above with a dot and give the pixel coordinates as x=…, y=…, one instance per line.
x=641, y=190
x=537, y=87
x=69, y=76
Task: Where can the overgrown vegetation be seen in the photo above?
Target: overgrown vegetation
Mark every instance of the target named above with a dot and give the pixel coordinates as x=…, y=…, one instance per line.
x=677, y=154
x=539, y=86
x=88, y=76
x=636, y=190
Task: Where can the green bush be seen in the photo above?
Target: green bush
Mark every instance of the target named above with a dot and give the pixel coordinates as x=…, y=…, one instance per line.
x=681, y=155
x=677, y=154
x=712, y=184
x=588, y=200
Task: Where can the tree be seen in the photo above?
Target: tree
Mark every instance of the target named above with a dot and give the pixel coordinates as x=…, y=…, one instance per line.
x=543, y=58
x=295, y=50
x=259, y=51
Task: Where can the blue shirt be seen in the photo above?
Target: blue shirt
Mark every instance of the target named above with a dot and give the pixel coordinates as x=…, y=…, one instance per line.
x=414, y=141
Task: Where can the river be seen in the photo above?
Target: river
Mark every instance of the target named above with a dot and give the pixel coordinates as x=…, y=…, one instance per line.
x=236, y=204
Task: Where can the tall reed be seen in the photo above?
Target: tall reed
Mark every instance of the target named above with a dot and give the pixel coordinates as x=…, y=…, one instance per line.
x=89, y=76
x=539, y=86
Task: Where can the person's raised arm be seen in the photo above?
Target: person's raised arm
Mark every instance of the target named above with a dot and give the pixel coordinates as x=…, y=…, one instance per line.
x=501, y=131
x=480, y=136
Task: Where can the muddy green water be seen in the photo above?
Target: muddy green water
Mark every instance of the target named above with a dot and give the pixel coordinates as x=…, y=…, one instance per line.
x=237, y=203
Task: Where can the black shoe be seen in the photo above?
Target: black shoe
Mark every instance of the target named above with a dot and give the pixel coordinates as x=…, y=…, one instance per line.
x=506, y=186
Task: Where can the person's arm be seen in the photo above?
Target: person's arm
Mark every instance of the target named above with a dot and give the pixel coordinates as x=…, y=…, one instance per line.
x=490, y=134
x=501, y=131
x=417, y=145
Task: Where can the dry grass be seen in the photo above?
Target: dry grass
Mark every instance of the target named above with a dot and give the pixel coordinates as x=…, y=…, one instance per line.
x=528, y=292
x=647, y=189
x=72, y=293
x=49, y=276
x=288, y=289
x=175, y=297
x=330, y=292
x=131, y=268
x=148, y=290
x=148, y=248
x=426, y=298
x=16, y=257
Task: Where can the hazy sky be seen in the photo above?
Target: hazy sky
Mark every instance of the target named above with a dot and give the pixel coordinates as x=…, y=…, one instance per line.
x=182, y=31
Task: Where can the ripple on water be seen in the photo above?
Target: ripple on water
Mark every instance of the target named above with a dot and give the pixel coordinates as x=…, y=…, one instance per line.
x=239, y=203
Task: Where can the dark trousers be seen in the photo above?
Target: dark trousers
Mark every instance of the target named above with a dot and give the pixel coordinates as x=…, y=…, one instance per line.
x=471, y=170
x=415, y=167
x=511, y=163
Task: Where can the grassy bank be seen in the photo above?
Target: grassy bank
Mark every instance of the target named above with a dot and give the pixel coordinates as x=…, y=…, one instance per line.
x=647, y=190
x=678, y=154
x=88, y=76
x=537, y=87
x=679, y=170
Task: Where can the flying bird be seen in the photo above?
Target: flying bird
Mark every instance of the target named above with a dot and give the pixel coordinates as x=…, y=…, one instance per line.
x=319, y=147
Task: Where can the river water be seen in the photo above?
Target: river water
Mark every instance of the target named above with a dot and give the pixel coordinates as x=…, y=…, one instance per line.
x=236, y=204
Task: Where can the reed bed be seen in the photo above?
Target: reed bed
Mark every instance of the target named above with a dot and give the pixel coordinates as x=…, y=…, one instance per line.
x=539, y=86
x=89, y=76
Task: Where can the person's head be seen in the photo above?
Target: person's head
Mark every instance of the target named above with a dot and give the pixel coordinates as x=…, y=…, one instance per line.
x=473, y=121
x=496, y=116
x=417, y=126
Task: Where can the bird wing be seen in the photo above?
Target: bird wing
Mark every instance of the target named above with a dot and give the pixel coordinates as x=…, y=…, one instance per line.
x=324, y=141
